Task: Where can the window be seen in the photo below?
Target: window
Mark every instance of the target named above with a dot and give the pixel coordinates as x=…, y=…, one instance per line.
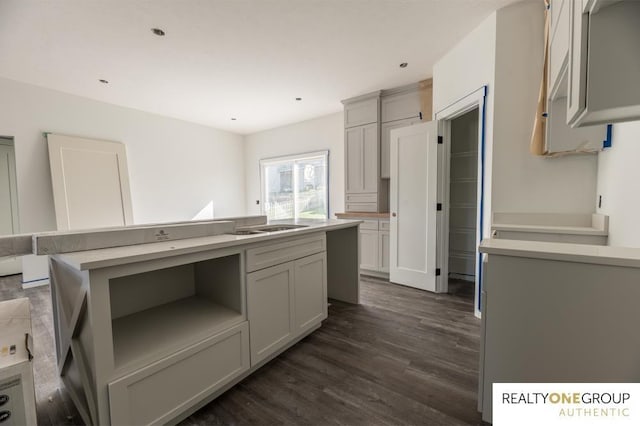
x=296, y=186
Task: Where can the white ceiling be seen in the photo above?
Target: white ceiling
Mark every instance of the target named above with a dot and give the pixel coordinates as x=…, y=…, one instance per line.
x=235, y=58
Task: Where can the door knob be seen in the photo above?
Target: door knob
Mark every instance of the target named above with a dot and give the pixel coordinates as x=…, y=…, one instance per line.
x=393, y=214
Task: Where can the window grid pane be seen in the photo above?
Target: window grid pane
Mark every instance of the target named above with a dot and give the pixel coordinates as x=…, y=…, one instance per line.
x=295, y=187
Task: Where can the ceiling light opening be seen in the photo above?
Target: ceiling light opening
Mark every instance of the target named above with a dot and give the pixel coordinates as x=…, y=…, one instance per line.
x=158, y=32
x=233, y=119
x=103, y=81
x=404, y=65
x=298, y=99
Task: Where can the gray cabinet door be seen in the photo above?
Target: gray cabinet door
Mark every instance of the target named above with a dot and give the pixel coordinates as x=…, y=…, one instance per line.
x=310, y=291
x=385, y=143
x=362, y=153
x=270, y=308
x=369, y=255
x=361, y=112
x=384, y=250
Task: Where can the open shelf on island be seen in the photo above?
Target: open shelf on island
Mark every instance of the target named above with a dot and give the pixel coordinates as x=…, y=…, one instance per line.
x=158, y=312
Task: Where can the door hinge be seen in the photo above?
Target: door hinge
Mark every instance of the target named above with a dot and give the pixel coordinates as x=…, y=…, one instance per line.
x=437, y=272
x=439, y=207
x=420, y=115
x=440, y=140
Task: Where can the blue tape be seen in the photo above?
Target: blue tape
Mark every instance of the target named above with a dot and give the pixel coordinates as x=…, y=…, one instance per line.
x=608, y=142
x=482, y=158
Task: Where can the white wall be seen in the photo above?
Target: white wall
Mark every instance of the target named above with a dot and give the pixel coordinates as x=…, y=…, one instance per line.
x=313, y=135
x=505, y=53
x=176, y=168
x=618, y=177
x=463, y=70
x=521, y=181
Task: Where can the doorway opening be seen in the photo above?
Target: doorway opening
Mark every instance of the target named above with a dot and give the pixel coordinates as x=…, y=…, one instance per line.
x=461, y=189
x=9, y=224
x=463, y=202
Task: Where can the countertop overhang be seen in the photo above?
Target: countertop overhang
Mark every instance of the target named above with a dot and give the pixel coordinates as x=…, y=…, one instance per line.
x=105, y=257
x=580, y=253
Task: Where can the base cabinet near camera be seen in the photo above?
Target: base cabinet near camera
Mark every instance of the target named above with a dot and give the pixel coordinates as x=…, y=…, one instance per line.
x=374, y=243
x=284, y=301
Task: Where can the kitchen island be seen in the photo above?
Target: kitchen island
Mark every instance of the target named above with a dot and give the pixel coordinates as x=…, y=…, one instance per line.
x=148, y=333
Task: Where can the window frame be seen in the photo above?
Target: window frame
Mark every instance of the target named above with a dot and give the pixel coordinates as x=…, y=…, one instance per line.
x=281, y=159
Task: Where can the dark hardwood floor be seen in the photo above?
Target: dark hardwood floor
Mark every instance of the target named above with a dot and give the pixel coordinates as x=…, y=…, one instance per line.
x=403, y=356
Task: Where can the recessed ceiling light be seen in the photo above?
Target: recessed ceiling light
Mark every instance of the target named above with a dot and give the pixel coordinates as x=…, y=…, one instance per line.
x=403, y=65
x=103, y=81
x=298, y=99
x=233, y=119
x=158, y=32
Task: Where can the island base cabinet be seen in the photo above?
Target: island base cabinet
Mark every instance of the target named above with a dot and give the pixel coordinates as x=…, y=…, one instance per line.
x=270, y=307
x=310, y=292
x=284, y=302
x=160, y=392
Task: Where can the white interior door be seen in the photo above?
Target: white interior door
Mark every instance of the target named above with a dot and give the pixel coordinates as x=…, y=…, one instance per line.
x=414, y=152
x=90, y=183
x=8, y=204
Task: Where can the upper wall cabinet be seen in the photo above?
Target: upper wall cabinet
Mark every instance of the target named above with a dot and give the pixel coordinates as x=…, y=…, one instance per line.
x=604, y=62
x=362, y=110
x=560, y=137
x=559, y=41
x=368, y=119
x=401, y=107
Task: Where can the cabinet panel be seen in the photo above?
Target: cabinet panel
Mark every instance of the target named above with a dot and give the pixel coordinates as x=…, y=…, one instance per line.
x=559, y=46
x=370, y=158
x=362, y=198
x=354, y=161
x=604, y=62
x=362, y=207
x=400, y=106
x=361, y=112
x=310, y=291
x=270, y=307
x=384, y=250
x=385, y=143
x=369, y=224
x=158, y=393
x=369, y=255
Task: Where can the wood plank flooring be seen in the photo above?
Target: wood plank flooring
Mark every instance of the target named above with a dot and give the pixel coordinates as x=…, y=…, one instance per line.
x=403, y=356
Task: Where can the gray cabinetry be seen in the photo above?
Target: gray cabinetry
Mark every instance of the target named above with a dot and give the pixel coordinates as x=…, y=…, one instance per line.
x=364, y=190
x=560, y=137
x=374, y=247
x=361, y=152
x=288, y=299
x=603, y=62
x=368, y=121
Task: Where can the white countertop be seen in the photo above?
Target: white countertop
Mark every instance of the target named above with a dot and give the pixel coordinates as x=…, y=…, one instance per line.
x=101, y=258
x=581, y=253
x=574, y=230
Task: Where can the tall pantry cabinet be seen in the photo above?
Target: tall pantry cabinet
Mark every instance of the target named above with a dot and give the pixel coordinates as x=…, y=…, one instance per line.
x=365, y=191
x=368, y=121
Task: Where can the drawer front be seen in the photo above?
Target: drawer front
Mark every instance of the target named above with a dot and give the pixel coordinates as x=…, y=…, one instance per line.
x=362, y=112
x=275, y=254
x=160, y=392
x=362, y=198
x=362, y=207
x=384, y=225
x=369, y=224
